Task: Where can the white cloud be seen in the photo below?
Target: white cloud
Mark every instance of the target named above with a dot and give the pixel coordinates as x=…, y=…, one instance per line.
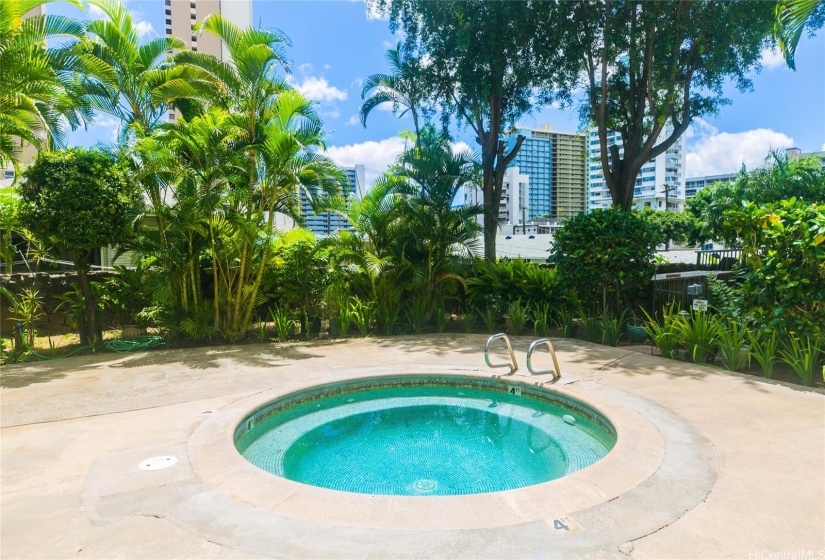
x=353, y=120
x=711, y=152
x=319, y=89
x=388, y=44
x=144, y=29
x=772, y=59
x=822, y=149
x=375, y=156
x=109, y=124
x=305, y=68
x=327, y=67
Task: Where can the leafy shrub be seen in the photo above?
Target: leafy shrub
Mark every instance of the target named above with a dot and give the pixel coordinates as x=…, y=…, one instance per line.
x=698, y=333
x=665, y=336
x=606, y=256
x=298, y=276
x=518, y=316
x=802, y=354
x=613, y=327
x=763, y=346
x=730, y=343
x=783, y=285
x=722, y=297
x=498, y=284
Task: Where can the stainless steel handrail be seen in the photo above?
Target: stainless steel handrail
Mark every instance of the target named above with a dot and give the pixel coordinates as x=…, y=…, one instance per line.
x=513, y=365
x=557, y=372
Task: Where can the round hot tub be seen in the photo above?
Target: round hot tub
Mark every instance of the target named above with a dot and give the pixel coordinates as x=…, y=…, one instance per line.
x=424, y=435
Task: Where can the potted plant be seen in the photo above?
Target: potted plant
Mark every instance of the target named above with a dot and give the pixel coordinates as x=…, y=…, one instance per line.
x=636, y=331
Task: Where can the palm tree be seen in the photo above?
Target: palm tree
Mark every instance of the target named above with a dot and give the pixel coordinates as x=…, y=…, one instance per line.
x=437, y=234
x=121, y=73
x=399, y=88
x=38, y=96
x=792, y=16
x=280, y=137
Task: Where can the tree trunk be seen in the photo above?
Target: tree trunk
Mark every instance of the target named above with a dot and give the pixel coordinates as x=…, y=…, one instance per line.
x=491, y=204
x=90, y=333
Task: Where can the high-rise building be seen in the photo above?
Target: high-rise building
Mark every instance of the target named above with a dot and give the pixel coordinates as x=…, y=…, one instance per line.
x=695, y=184
x=556, y=165
x=327, y=223
x=181, y=16
x=660, y=183
x=515, y=196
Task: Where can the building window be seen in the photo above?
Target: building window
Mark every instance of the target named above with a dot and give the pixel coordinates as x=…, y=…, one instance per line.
x=168, y=12
x=168, y=31
x=168, y=22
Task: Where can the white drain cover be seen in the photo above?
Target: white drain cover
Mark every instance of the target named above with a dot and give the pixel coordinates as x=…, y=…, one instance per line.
x=157, y=463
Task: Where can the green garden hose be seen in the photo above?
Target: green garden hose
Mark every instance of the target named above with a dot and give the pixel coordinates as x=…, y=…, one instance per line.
x=143, y=342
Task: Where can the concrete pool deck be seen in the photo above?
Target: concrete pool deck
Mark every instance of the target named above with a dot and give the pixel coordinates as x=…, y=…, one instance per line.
x=73, y=432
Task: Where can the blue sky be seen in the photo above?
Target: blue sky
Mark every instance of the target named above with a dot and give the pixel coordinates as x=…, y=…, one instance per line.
x=336, y=45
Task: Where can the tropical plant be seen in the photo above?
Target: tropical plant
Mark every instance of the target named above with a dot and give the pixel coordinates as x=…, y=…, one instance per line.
x=593, y=327
x=517, y=312
x=435, y=235
x=417, y=314
x=665, y=335
x=613, y=327
x=802, y=354
x=731, y=345
x=127, y=293
x=27, y=309
x=283, y=322
x=698, y=333
x=541, y=318
x=792, y=18
x=389, y=307
x=441, y=318
x=345, y=317
x=278, y=140
x=469, y=319
x=780, y=178
x=722, y=296
x=120, y=73
x=39, y=92
x=400, y=89
x=499, y=283
x=489, y=316
x=783, y=284
x=198, y=324
x=763, y=346
x=362, y=313
x=565, y=321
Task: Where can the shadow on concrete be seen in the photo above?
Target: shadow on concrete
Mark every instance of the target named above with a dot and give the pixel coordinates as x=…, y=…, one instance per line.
x=18, y=378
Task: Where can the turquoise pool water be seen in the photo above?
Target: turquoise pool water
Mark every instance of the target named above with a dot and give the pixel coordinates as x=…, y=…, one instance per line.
x=423, y=439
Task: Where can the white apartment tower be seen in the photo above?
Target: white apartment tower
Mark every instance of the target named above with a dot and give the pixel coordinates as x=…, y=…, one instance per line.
x=663, y=173
x=515, y=198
